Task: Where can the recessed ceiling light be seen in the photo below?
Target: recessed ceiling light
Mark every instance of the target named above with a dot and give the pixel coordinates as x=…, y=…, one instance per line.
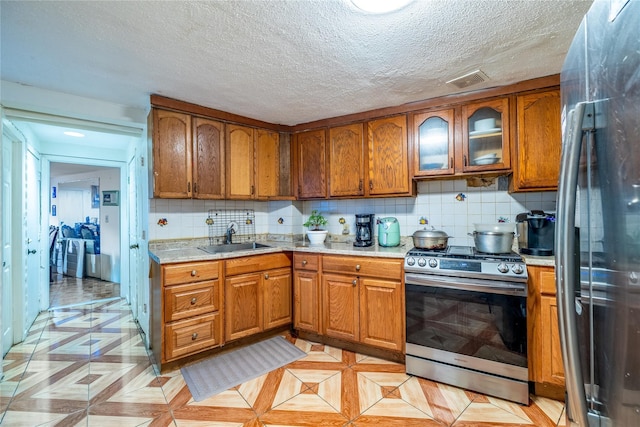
x=380, y=6
x=75, y=134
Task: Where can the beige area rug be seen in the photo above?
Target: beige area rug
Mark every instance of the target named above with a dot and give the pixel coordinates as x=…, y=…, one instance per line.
x=219, y=373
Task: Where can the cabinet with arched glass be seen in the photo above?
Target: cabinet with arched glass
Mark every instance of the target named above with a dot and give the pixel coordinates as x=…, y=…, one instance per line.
x=434, y=136
x=485, y=136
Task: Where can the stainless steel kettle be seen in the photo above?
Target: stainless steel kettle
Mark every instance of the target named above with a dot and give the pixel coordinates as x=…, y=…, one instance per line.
x=388, y=232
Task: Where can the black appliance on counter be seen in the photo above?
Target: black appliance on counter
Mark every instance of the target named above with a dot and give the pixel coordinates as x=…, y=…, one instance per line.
x=536, y=232
x=364, y=230
x=466, y=320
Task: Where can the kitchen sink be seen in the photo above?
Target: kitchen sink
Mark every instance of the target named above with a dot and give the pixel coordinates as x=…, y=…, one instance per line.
x=232, y=247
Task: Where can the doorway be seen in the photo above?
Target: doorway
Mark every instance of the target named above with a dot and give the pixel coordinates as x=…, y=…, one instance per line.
x=84, y=235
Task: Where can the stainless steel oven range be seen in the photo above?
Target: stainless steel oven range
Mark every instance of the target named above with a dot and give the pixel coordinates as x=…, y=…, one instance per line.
x=466, y=320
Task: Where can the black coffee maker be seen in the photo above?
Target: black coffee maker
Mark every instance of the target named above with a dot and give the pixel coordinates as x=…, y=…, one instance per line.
x=364, y=230
x=536, y=232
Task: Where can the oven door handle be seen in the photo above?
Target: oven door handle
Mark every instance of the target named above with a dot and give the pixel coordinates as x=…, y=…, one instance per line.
x=467, y=284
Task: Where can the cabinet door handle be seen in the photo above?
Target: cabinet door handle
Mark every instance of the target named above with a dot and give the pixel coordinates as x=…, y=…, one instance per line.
x=194, y=336
x=370, y=184
x=188, y=187
x=195, y=186
x=360, y=185
x=253, y=189
x=355, y=282
x=451, y=162
x=193, y=300
x=465, y=159
x=193, y=273
x=31, y=251
x=357, y=267
x=304, y=262
x=266, y=276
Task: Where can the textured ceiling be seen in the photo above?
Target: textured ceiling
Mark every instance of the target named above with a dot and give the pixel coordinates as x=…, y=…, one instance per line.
x=281, y=61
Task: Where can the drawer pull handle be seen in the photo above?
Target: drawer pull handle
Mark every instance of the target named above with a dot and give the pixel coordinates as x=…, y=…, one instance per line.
x=355, y=282
x=193, y=273
x=194, y=336
x=266, y=276
x=193, y=300
x=304, y=262
x=357, y=267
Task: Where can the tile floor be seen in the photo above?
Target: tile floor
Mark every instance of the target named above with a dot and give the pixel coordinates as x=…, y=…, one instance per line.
x=67, y=290
x=87, y=366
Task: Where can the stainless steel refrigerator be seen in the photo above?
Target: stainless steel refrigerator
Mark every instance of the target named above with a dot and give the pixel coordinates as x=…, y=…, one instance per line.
x=597, y=241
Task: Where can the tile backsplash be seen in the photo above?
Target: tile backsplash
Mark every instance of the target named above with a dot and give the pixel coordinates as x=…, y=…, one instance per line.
x=450, y=205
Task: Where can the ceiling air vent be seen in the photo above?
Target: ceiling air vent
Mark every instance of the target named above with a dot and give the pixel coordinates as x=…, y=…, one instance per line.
x=469, y=79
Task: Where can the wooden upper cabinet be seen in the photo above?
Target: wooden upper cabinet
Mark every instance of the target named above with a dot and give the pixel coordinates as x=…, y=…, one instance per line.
x=434, y=143
x=208, y=159
x=346, y=161
x=486, y=138
x=172, y=151
x=240, y=161
x=538, y=148
x=388, y=157
x=267, y=147
x=188, y=156
x=311, y=164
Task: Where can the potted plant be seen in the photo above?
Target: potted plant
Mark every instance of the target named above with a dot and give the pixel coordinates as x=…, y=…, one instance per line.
x=315, y=233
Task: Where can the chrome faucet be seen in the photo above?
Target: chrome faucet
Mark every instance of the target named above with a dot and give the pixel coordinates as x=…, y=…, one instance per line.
x=228, y=238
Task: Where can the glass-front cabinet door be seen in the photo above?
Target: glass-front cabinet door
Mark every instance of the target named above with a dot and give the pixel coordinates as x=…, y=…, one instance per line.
x=485, y=133
x=434, y=143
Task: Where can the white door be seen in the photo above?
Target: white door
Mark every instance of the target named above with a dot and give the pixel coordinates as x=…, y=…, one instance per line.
x=138, y=289
x=133, y=238
x=7, y=290
x=33, y=247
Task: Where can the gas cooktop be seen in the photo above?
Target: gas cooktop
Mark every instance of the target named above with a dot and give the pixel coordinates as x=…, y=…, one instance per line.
x=466, y=261
x=464, y=252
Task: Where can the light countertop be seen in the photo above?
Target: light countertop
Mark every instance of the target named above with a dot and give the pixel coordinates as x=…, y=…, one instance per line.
x=184, y=253
x=187, y=251
x=544, y=261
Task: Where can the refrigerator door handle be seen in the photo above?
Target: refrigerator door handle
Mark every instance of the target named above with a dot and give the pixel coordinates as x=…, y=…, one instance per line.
x=581, y=117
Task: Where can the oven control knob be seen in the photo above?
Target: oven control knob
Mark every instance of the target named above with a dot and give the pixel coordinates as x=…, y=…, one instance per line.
x=433, y=263
x=422, y=262
x=411, y=261
x=503, y=268
x=518, y=269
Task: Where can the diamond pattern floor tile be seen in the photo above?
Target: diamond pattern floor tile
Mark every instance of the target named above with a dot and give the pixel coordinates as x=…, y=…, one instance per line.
x=88, y=366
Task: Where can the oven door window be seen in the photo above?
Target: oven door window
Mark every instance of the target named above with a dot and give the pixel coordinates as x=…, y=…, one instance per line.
x=483, y=325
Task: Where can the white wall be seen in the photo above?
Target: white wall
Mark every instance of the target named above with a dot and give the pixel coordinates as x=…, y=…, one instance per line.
x=436, y=201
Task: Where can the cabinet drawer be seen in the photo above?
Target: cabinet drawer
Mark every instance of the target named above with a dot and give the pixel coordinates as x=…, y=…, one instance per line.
x=548, y=281
x=190, y=272
x=192, y=335
x=305, y=262
x=192, y=299
x=251, y=264
x=377, y=267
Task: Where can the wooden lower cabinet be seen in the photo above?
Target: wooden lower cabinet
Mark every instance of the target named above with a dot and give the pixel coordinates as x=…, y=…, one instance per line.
x=306, y=292
x=381, y=314
x=362, y=300
x=243, y=306
x=186, y=300
x=276, y=286
x=340, y=307
x=545, y=354
x=551, y=369
x=258, y=300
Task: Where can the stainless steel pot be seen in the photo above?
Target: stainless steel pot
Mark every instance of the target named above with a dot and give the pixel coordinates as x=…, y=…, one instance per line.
x=430, y=239
x=492, y=242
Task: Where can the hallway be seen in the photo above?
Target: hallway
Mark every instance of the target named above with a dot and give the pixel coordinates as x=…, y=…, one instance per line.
x=68, y=290
x=87, y=366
